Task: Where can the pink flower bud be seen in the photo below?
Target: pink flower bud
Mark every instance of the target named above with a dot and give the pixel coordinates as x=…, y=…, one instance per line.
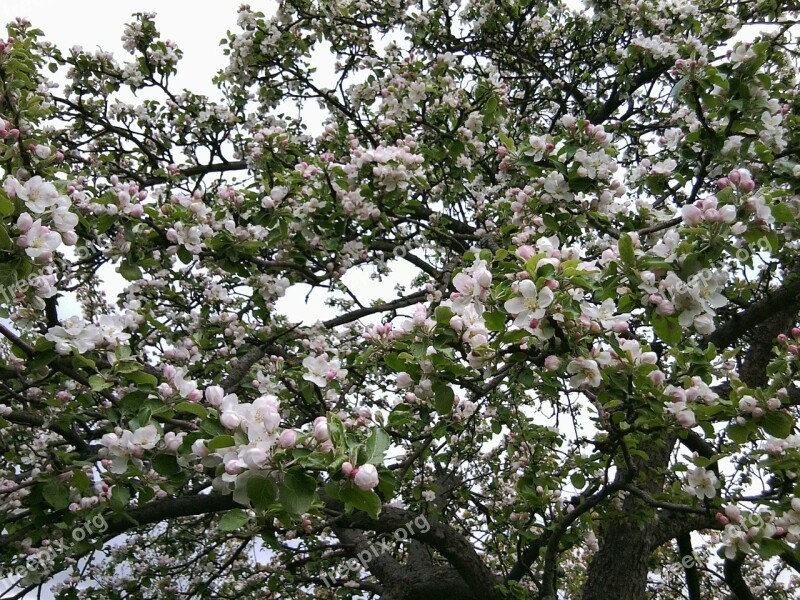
x=691, y=215
x=620, y=327
x=552, y=363
x=686, y=418
x=287, y=439
x=734, y=176
x=723, y=182
x=24, y=222
x=348, y=470
x=214, y=395
x=403, y=380
x=665, y=308
x=321, y=433
x=526, y=252
x=366, y=477
x=656, y=378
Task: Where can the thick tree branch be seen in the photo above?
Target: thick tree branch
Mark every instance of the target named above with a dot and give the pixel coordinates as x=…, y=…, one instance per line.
x=785, y=298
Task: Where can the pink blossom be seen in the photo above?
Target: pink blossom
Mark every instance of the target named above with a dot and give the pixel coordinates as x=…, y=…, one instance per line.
x=366, y=477
x=287, y=439
x=321, y=433
x=691, y=214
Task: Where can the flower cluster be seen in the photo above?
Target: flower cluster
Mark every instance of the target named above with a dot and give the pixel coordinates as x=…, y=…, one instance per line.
x=51, y=224
x=124, y=445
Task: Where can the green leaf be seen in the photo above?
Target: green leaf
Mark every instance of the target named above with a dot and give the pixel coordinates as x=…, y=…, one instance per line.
x=120, y=496
x=767, y=548
x=166, y=465
x=377, y=444
x=667, y=329
x=98, y=384
x=507, y=142
x=56, y=494
x=262, y=492
x=738, y=433
x=783, y=213
x=676, y=89
x=443, y=398
x=578, y=481
x=778, y=424
x=192, y=408
x=526, y=378
x=296, y=492
x=233, y=520
x=213, y=427
x=130, y=271
x=443, y=314
x=221, y=441
x=5, y=241
x=545, y=270
x=394, y=362
x=142, y=378
x=41, y=360
x=6, y=204
x=626, y=252
x=366, y=500
x=495, y=321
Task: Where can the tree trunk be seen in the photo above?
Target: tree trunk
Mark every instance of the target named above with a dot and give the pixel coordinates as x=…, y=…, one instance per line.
x=619, y=569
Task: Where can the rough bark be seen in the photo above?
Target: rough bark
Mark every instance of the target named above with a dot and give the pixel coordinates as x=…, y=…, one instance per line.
x=620, y=567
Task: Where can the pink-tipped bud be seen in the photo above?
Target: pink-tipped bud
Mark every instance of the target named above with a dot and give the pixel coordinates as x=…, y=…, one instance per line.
x=526, y=252
x=287, y=439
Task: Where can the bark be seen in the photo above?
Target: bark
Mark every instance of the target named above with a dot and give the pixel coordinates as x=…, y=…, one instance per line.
x=620, y=567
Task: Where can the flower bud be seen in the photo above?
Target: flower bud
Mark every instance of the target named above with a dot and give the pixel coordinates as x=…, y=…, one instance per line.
x=366, y=477
x=321, y=433
x=287, y=439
